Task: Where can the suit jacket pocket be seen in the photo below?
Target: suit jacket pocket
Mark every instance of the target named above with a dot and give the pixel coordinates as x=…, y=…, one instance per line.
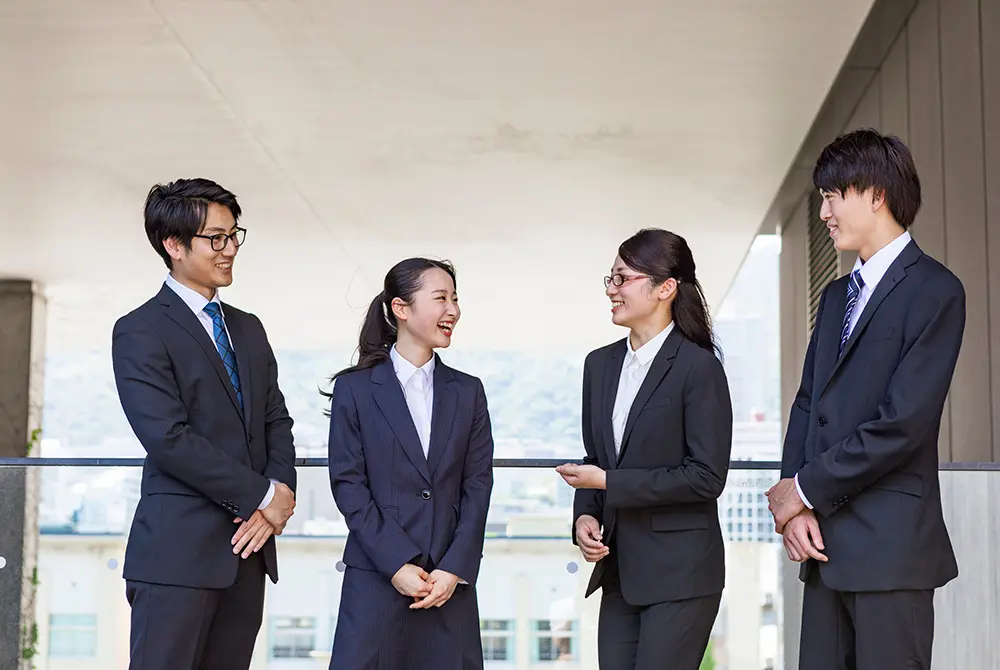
x=909, y=483
x=669, y=521
x=158, y=484
x=881, y=334
x=658, y=403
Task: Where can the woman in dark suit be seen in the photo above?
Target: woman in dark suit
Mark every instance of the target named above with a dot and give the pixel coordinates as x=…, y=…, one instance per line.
x=411, y=467
x=657, y=430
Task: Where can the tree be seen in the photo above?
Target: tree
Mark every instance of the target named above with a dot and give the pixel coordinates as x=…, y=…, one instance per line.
x=708, y=662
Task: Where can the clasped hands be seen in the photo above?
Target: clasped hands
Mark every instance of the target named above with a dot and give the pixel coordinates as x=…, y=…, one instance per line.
x=427, y=590
x=254, y=532
x=795, y=522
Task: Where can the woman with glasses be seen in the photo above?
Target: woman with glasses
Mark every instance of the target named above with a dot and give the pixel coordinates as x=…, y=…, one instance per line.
x=411, y=467
x=657, y=431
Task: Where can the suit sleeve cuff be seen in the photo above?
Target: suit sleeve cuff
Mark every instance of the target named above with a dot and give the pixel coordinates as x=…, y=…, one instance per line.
x=801, y=494
x=270, y=495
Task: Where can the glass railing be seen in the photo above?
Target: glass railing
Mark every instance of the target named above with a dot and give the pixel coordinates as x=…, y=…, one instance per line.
x=533, y=613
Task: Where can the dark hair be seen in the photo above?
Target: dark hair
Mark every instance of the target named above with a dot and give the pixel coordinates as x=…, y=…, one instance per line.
x=379, y=330
x=865, y=159
x=178, y=210
x=662, y=255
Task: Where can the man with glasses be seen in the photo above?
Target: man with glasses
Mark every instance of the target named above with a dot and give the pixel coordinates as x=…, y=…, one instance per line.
x=199, y=385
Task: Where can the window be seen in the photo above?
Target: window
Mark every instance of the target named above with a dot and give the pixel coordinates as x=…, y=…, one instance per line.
x=293, y=637
x=555, y=640
x=72, y=635
x=498, y=639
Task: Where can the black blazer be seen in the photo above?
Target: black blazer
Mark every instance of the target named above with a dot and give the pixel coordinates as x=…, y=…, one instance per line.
x=660, y=506
x=400, y=506
x=863, y=430
x=207, y=462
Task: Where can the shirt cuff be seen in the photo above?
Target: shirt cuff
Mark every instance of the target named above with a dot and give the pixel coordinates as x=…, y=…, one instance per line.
x=801, y=494
x=270, y=495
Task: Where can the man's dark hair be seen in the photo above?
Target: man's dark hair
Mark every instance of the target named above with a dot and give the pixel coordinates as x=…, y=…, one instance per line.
x=865, y=159
x=178, y=210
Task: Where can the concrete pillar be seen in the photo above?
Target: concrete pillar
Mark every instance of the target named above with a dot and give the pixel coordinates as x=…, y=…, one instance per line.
x=22, y=350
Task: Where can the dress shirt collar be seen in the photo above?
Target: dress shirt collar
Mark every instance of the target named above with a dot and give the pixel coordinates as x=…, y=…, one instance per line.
x=648, y=351
x=191, y=298
x=876, y=267
x=405, y=369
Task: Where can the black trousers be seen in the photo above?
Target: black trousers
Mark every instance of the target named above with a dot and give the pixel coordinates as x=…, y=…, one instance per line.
x=865, y=631
x=664, y=635
x=180, y=628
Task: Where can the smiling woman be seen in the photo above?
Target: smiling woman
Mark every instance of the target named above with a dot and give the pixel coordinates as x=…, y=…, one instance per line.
x=411, y=468
x=645, y=508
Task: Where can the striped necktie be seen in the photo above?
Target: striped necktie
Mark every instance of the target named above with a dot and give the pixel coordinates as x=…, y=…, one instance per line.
x=854, y=287
x=225, y=349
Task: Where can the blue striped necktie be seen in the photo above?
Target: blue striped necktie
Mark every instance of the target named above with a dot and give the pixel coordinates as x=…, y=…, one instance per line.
x=854, y=287
x=225, y=349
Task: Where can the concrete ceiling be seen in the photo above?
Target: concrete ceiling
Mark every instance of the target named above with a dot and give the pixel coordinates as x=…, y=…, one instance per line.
x=523, y=141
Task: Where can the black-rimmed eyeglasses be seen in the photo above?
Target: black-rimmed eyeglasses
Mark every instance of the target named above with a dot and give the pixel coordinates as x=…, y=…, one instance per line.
x=220, y=241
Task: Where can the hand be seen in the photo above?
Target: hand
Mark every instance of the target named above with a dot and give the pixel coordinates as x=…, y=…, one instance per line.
x=251, y=535
x=411, y=580
x=442, y=587
x=583, y=476
x=589, y=538
x=784, y=502
x=281, y=507
x=803, y=539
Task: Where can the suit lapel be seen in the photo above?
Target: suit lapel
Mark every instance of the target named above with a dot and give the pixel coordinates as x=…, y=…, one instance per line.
x=895, y=274
x=609, y=390
x=178, y=311
x=832, y=323
x=658, y=369
x=442, y=413
x=242, y=350
x=392, y=403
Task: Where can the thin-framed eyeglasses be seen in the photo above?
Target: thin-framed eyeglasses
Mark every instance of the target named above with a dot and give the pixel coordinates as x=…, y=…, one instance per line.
x=220, y=241
x=619, y=279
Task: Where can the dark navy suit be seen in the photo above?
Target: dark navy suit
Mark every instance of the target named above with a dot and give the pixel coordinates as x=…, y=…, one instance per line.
x=402, y=507
x=194, y=603
x=862, y=437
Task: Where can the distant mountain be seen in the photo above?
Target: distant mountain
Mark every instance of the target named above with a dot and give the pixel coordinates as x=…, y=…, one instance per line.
x=535, y=398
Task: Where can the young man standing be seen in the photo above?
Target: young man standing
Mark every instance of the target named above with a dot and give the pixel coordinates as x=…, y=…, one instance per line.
x=199, y=385
x=859, y=502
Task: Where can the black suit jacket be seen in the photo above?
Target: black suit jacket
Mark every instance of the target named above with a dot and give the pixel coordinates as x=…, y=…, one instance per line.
x=863, y=430
x=207, y=461
x=400, y=506
x=660, y=506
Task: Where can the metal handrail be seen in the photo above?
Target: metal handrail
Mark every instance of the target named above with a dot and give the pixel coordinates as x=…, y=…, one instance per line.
x=497, y=463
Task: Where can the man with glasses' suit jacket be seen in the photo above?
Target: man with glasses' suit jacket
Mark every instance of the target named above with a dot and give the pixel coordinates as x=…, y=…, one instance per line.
x=198, y=383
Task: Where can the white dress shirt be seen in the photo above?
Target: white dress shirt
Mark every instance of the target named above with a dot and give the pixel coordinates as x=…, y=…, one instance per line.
x=635, y=367
x=418, y=389
x=197, y=302
x=872, y=272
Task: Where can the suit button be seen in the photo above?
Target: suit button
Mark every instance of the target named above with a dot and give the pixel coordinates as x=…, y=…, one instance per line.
x=426, y=494
x=822, y=421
